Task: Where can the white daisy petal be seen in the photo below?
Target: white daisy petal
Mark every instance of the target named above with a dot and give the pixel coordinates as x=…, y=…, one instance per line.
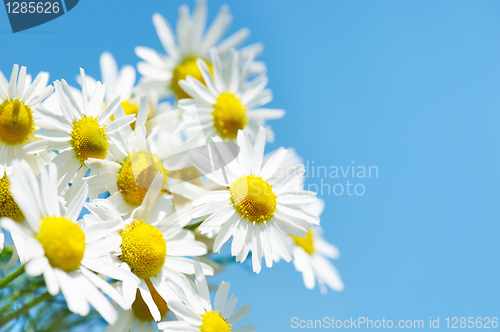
x=272, y=165
x=230, y=306
x=226, y=231
x=239, y=314
x=201, y=284
x=258, y=151
x=297, y=197
x=221, y=296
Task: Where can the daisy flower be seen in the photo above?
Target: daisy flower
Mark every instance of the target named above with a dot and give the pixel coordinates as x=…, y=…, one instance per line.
x=253, y=209
x=154, y=246
x=311, y=253
x=64, y=250
x=228, y=103
x=82, y=132
x=163, y=72
x=193, y=308
x=18, y=97
x=136, y=157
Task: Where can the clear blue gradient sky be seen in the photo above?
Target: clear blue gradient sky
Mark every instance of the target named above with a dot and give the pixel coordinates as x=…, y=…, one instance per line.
x=412, y=87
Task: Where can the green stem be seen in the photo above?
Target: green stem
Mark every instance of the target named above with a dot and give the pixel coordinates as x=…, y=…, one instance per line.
x=24, y=309
x=5, y=281
x=193, y=226
x=7, y=250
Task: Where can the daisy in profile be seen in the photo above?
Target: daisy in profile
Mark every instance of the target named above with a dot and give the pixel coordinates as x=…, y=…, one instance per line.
x=194, y=311
x=155, y=247
x=18, y=98
x=228, y=103
x=139, y=318
x=312, y=253
x=254, y=210
x=67, y=253
x=163, y=72
x=135, y=157
x=82, y=132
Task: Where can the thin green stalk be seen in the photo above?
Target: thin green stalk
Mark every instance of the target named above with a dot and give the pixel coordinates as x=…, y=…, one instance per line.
x=7, y=250
x=25, y=308
x=193, y=226
x=5, y=281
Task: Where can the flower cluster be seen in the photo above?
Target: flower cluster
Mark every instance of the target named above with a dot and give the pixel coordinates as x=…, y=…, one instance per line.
x=122, y=195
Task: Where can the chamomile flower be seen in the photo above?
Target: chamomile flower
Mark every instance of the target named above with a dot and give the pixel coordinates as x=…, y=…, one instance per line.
x=154, y=247
x=255, y=210
x=136, y=157
x=228, y=103
x=194, y=310
x=82, y=132
x=18, y=98
x=64, y=250
x=163, y=72
x=312, y=253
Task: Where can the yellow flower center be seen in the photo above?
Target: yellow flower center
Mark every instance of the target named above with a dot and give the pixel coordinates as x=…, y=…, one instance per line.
x=143, y=248
x=63, y=242
x=136, y=174
x=129, y=109
x=185, y=68
x=16, y=122
x=306, y=243
x=141, y=309
x=229, y=115
x=253, y=198
x=8, y=207
x=213, y=322
x=89, y=139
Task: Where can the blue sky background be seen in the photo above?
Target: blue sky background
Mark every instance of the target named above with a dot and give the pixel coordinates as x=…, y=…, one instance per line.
x=412, y=87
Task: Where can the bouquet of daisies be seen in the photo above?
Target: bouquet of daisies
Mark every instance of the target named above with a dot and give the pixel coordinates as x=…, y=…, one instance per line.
x=117, y=198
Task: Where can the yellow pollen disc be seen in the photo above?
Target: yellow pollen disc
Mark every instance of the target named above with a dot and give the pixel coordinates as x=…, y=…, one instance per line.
x=253, y=198
x=143, y=248
x=187, y=67
x=16, y=122
x=136, y=174
x=129, y=109
x=89, y=139
x=63, y=242
x=229, y=115
x=141, y=309
x=213, y=322
x=8, y=207
x=306, y=243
